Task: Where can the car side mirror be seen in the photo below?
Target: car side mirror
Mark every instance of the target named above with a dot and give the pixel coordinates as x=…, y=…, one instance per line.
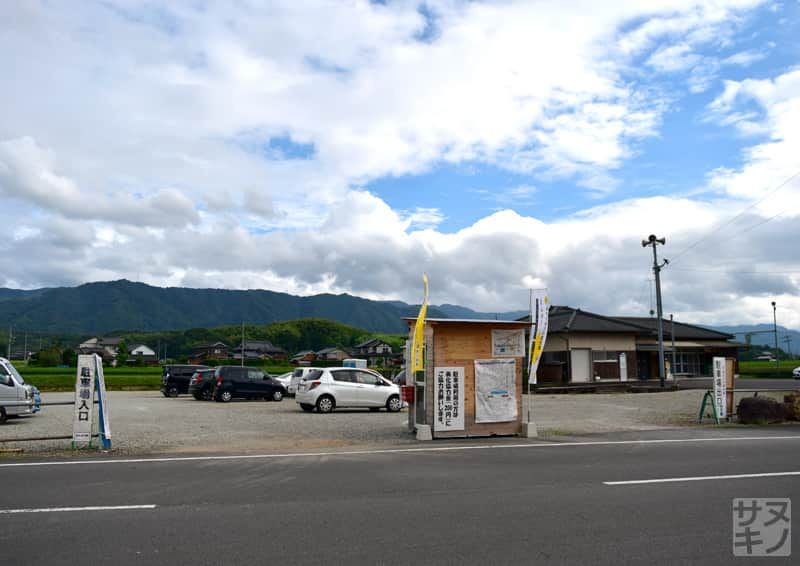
x=5, y=379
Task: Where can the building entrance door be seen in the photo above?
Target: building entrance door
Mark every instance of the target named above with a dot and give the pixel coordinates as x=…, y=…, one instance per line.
x=581, y=365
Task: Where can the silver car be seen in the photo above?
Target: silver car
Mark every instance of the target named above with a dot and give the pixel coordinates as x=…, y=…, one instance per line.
x=331, y=388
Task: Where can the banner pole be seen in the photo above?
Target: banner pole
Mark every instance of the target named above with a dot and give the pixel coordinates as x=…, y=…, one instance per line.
x=530, y=351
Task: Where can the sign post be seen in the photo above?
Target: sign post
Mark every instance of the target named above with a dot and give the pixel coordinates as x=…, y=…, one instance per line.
x=720, y=387
x=90, y=382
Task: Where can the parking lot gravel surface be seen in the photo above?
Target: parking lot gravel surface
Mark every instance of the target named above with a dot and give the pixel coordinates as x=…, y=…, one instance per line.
x=145, y=422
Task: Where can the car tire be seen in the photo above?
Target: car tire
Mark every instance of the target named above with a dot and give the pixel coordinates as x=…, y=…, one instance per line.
x=394, y=404
x=306, y=407
x=197, y=396
x=224, y=396
x=3, y=417
x=172, y=391
x=325, y=404
x=277, y=395
x=207, y=394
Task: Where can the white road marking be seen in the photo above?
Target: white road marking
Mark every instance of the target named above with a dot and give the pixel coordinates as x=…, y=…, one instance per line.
x=703, y=478
x=449, y=448
x=67, y=509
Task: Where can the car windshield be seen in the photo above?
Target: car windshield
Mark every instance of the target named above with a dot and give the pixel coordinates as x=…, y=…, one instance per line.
x=16, y=374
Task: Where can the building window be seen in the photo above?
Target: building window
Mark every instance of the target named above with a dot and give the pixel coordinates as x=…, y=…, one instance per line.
x=604, y=356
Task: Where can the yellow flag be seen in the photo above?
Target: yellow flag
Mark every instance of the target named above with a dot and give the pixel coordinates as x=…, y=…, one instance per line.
x=417, y=361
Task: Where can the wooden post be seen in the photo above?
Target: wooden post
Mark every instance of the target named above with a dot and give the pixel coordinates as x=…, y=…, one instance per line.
x=730, y=366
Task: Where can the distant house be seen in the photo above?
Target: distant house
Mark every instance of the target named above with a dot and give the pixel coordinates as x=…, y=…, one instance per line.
x=209, y=351
x=377, y=353
x=144, y=353
x=375, y=347
x=304, y=358
x=585, y=347
x=106, y=347
x=258, y=350
x=332, y=354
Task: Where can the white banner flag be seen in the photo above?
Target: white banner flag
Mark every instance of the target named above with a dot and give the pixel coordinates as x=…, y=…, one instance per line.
x=540, y=311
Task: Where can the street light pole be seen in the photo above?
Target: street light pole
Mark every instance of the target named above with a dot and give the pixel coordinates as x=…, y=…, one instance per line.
x=653, y=241
x=775, y=330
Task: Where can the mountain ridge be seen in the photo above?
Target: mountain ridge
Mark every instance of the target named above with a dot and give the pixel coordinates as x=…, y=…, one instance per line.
x=114, y=306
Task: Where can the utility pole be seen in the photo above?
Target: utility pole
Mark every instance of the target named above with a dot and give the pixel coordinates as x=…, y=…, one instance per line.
x=775, y=330
x=25, y=351
x=653, y=241
x=242, y=353
x=10, y=339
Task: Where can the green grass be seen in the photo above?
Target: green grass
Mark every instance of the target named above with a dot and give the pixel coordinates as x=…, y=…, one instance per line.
x=767, y=370
x=117, y=379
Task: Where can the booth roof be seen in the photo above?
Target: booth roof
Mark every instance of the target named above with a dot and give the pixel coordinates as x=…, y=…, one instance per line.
x=469, y=320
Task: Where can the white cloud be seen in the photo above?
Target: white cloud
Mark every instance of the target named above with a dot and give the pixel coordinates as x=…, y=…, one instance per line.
x=774, y=113
x=130, y=132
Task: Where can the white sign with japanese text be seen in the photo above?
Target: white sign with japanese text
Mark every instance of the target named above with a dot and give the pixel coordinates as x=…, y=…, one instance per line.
x=508, y=343
x=448, y=399
x=84, y=399
x=720, y=385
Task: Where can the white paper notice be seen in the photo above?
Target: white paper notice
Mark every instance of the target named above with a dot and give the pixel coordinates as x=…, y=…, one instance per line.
x=495, y=391
x=448, y=399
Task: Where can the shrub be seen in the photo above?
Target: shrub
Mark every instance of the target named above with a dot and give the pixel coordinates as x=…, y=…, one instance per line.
x=760, y=410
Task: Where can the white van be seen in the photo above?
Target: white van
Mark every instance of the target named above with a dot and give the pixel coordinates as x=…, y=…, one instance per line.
x=297, y=375
x=16, y=397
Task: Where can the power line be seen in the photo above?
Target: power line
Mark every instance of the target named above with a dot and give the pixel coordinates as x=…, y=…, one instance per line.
x=742, y=213
x=703, y=270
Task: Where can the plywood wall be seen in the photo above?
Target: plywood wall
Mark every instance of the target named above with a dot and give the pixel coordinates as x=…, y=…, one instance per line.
x=460, y=345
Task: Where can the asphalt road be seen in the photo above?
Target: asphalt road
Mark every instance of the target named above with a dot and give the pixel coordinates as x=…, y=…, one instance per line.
x=501, y=501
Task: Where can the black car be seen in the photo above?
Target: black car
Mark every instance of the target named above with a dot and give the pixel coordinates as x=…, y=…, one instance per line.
x=175, y=379
x=247, y=382
x=201, y=386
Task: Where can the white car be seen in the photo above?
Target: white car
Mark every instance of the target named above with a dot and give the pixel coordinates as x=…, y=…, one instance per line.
x=284, y=379
x=17, y=398
x=297, y=375
x=331, y=388
x=796, y=373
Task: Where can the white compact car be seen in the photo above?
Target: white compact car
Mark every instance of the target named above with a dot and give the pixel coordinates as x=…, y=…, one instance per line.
x=16, y=396
x=297, y=375
x=284, y=379
x=796, y=373
x=331, y=388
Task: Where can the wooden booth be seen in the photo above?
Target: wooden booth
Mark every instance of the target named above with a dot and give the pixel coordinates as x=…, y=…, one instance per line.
x=472, y=382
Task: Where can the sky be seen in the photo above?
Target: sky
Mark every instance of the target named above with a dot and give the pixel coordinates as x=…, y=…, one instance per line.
x=348, y=146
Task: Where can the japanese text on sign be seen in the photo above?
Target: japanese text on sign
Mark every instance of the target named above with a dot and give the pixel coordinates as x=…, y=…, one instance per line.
x=720, y=386
x=84, y=399
x=448, y=393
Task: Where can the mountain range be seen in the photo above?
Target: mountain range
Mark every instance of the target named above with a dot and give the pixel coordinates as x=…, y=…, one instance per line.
x=113, y=306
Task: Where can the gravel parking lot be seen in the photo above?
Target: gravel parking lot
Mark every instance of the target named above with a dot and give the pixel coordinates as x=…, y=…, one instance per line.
x=146, y=422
